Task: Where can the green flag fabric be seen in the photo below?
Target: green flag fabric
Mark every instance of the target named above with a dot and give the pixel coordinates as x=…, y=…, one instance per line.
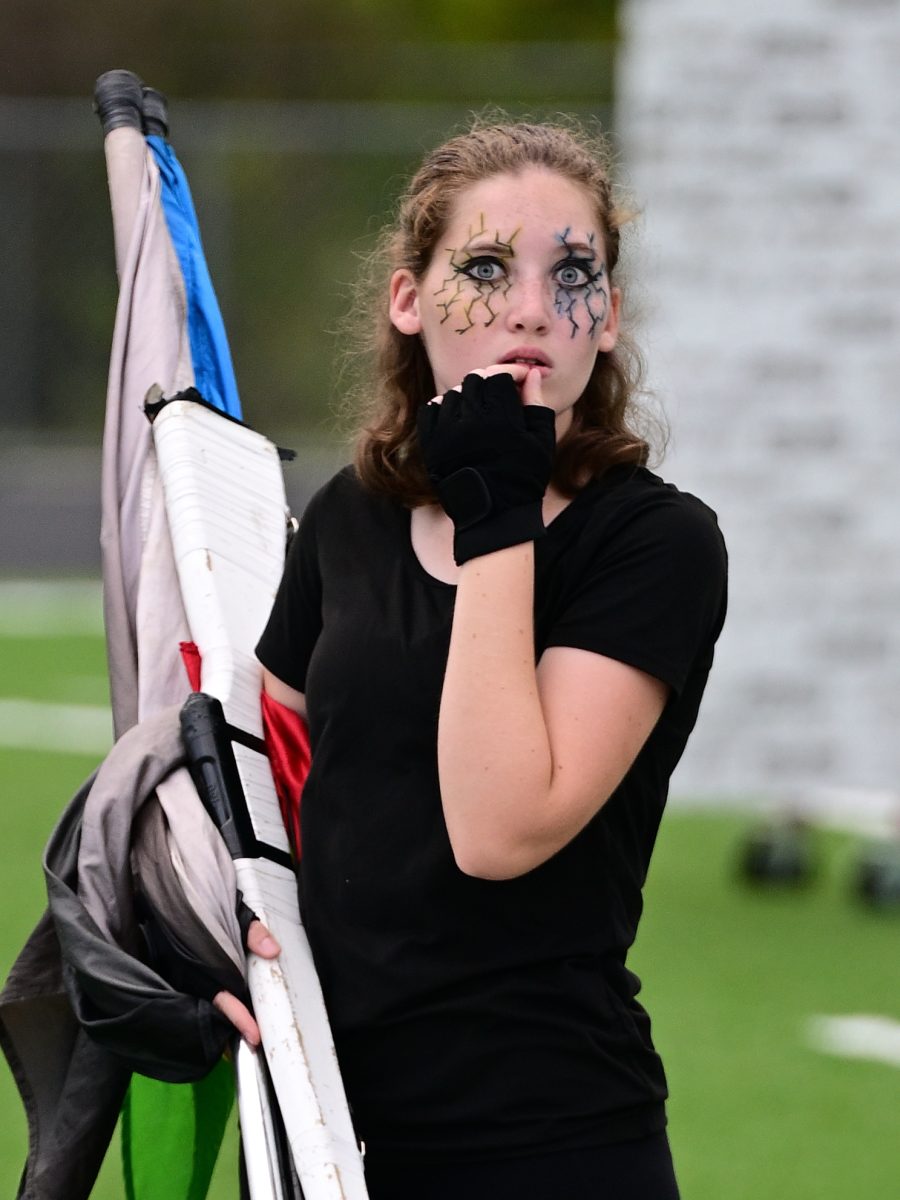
x=172, y=1134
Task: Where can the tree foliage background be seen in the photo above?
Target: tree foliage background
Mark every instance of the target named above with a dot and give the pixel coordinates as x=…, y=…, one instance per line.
x=296, y=122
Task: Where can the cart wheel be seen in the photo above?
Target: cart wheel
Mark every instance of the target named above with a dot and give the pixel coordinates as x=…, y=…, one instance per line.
x=876, y=881
x=778, y=855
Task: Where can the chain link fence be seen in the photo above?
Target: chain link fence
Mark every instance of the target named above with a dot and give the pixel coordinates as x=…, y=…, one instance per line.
x=289, y=194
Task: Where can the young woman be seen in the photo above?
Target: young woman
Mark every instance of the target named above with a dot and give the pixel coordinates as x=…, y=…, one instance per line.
x=499, y=625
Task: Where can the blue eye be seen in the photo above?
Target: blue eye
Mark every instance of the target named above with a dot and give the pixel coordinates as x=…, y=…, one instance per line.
x=483, y=270
x=572, y=275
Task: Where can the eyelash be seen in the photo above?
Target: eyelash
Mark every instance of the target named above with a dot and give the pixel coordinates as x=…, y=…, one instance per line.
x=468, y=268
x=579, y=264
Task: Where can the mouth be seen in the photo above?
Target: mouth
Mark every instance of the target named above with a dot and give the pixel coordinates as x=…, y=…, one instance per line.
x=528, y=357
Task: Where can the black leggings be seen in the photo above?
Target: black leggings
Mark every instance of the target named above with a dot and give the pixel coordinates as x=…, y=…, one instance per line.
x=636, y=1170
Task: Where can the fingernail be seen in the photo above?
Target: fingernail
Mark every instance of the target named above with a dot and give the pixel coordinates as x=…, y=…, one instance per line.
x=269, y=946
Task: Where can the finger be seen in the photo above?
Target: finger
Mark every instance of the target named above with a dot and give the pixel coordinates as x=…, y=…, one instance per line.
x=261, y=942
x=519, y=371
x=533, y=388
x=239, y=1015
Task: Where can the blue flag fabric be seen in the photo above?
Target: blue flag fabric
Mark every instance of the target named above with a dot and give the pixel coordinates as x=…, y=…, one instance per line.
x=213, y=369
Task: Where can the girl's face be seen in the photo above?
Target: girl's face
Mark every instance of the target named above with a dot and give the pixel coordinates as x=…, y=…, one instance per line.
x=519, y=276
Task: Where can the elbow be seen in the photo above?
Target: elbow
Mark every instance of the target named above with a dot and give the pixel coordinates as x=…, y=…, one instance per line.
x=496, y=861
x=492, y=869
x=506, y=849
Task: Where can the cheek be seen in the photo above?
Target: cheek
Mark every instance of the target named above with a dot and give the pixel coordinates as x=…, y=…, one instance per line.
x=583, y=310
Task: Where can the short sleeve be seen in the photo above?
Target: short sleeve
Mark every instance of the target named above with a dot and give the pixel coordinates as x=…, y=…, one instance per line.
x=295, y=622
x=653, y=593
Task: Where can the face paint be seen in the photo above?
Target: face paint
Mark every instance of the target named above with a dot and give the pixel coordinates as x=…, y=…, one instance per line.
x=581, y=291
x=478, y=279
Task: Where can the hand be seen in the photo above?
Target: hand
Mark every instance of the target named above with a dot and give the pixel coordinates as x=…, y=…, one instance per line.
x=261, y=942
x=490, y=457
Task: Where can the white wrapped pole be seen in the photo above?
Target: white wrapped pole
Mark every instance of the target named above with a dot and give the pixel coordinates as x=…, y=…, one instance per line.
x=224, y=496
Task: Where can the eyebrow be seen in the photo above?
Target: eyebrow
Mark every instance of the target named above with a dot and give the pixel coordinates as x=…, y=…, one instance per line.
x=491, y=245
x=476, y=246
x=582, y=249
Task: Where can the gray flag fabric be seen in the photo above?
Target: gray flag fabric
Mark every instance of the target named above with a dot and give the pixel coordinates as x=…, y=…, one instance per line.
x=80, y=1010
x=143, y=613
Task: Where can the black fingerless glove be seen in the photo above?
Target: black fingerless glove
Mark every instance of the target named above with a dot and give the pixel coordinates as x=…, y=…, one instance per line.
x=489, y=457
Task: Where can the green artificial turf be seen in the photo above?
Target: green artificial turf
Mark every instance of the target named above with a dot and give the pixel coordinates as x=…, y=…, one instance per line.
x=731, y=978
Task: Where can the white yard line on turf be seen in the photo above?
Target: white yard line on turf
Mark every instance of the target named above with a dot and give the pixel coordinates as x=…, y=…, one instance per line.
x=64, y=728
x=859, y=1035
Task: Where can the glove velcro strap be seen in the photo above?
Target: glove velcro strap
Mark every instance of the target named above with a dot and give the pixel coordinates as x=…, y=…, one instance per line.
x=464, y=497
x=509, y=528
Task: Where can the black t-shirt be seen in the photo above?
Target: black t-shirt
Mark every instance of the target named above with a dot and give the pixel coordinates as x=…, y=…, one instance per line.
x=479, y=1018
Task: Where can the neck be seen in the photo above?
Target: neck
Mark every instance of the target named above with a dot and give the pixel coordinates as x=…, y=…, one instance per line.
x=431, y=532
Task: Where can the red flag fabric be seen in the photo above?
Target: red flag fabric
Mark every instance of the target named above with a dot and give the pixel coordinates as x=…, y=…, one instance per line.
x=190, y=656
x=287, y=745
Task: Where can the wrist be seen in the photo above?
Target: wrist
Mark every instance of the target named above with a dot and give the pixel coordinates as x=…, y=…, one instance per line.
x=498, y=531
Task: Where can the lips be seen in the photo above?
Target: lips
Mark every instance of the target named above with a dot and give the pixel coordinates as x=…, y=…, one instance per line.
x=529, y=356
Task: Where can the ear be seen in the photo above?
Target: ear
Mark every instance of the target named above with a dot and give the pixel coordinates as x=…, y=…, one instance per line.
x=404, y=302
x=610, y=334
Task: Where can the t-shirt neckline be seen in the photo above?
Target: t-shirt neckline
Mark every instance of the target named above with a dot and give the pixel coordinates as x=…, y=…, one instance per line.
x=558, y=522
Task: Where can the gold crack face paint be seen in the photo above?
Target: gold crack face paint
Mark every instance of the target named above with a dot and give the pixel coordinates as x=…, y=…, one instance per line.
x=477, y=279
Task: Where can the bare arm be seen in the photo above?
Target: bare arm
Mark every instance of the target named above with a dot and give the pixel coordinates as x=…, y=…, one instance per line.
x=283, y=693
x=526, y=757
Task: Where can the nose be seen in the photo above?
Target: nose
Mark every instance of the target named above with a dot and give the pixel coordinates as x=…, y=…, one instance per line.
x=529, y=306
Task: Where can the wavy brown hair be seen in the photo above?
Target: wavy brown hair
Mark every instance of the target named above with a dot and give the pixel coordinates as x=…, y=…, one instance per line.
x=395, y=376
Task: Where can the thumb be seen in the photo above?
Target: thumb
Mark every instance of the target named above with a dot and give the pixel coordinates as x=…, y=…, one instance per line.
x=261, y=942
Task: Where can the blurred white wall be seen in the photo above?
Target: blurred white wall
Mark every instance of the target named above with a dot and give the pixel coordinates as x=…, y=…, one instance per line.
x=763, y=143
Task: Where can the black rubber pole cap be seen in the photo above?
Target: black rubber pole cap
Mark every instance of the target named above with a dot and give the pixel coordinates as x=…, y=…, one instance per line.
x=118, y=100
x=156, y=113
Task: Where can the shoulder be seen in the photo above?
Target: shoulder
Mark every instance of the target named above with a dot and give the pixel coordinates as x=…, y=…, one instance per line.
x=638, y=566
x=338, y=498
x=342, y=486
x=633, y=492
x=346, y=522
x=639, y=574
x=633, y=506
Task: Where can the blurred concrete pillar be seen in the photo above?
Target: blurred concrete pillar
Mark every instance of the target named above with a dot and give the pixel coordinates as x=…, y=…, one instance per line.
x=763, y=142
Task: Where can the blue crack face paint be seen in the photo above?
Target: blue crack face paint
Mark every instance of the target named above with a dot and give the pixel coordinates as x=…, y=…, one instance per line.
x=582, y=288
